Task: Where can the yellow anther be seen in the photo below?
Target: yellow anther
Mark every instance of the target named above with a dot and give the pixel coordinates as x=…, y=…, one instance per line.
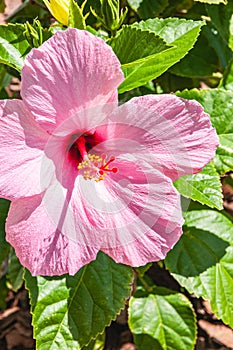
x=96, y=167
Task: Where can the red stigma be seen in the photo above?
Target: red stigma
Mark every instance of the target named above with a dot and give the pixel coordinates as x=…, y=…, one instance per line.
x=104, y=167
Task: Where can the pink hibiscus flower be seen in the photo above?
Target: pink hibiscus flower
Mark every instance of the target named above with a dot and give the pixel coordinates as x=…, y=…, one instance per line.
x=85, y=174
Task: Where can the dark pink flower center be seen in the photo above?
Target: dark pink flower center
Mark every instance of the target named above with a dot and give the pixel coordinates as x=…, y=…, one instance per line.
x=82, y=145
x=89, y=165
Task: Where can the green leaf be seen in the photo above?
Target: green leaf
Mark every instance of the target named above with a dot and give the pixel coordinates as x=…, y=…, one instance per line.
x=194, y=66
x=150, y=9
x=221, y=16
x=5, y=78
x=201, y=261
x=219, y=104
x=180, y=34
x=174, y=31
x=4, y=246
x=68, y=311
x=145, y=43
x=202, y=61
x=215, y=2
x=220, y=46
x=145, y=341
x=96, y=344
x=15, y=271
x=76, y=18
x=157, y=321
x=13, y=45
x=204, y=187
x=224, y=157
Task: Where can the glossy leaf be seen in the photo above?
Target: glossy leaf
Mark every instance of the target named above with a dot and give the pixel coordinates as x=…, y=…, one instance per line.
x=219, y=45
x=150, y=9
x=201, y=261
x=221, y=16
x=13, y=45
x=201, y=61
x=68, y=311
x=173, y=30
x=145, y=43
x=179, y=34
x=204, y=187
x=163, y=320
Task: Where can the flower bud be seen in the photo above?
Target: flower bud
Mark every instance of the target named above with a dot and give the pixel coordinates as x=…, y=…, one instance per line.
x=33, y=33
x=59, y=9
x=111, y=14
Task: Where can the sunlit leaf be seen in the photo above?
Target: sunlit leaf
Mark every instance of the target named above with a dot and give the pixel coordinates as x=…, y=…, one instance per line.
x=201, y=261
x=204, y=187
x=158, y=320
x=179, y=34
x=13, y=45
x=68, y=311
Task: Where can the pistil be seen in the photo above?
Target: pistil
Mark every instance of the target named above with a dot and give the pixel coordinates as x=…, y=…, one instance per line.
x=96, y=167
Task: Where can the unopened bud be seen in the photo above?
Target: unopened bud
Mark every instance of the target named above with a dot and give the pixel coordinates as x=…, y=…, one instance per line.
x=33, y=33
x=111, y=15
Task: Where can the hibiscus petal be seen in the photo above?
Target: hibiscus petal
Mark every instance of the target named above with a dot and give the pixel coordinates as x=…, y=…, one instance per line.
x=38, y=241
x=151, y=221
x=135, y=210
x=172, y=134
x=72, y=70
x=150, y=248
x=134, y=216
x=21, y=151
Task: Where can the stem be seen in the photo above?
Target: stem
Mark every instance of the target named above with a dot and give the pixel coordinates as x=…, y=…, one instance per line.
x=113, y=33
x=147, y=287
